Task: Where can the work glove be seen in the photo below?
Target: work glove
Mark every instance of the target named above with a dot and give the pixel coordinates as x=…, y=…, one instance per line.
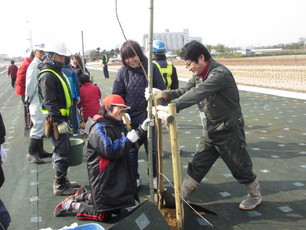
x=162, y=108
x=157, y=93
x=3, y=154
x=132, y=136
x=63, y=127
x=146, y=123
x=157, y=108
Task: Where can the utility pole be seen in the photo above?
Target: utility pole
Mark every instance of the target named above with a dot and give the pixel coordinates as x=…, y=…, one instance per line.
x=29, y=38
x=83, y=54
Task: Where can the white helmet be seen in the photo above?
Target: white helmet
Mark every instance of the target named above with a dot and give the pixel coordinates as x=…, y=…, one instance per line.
x=39, y=47
x=59, y=48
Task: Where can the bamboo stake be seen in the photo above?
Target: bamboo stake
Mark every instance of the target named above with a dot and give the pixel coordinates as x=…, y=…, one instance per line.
x=159, y=142
x=176, y=167
x=149, y=108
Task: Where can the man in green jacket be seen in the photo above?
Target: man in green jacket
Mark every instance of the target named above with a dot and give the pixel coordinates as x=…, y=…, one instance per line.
x=214, y=89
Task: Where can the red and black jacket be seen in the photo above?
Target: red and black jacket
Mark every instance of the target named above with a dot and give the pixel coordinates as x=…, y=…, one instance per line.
x=109, y=166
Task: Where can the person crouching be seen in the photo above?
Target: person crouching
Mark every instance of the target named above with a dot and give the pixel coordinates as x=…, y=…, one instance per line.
x=112, y=182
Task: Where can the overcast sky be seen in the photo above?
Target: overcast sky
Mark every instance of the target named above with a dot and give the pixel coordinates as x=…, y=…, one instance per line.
x=231, y=23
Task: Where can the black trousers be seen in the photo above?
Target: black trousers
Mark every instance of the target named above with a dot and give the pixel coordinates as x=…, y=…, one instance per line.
x=2, y=179
x=13, y=82
x=105, y=71
x=60, y=157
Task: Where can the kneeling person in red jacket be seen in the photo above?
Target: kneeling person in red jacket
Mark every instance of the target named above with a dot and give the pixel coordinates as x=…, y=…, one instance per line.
x=113, y=186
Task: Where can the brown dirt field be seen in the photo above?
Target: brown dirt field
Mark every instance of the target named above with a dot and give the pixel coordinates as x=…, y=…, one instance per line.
x=287, y=72
x=282, y=60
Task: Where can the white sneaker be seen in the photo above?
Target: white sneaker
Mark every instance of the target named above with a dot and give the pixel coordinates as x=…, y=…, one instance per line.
x=138, y=182
x=155, y=183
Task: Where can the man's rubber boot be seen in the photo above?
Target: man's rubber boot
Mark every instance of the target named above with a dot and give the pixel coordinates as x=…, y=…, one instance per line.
x=72, y=184
x=254, y=197
x=189, y=186
x=41, y=152
x=33, y=152
x=61, y=188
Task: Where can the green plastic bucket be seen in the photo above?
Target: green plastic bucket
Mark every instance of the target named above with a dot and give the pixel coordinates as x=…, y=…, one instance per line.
x=76, y=152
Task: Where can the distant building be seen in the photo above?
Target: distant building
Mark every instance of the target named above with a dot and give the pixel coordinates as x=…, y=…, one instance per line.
x=4, y=57
x=173, y=40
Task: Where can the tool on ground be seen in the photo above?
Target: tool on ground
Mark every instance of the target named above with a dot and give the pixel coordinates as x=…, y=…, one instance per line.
x=169, y=202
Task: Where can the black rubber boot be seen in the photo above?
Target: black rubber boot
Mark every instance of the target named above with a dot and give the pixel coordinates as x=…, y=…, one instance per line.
x=33, y=152
x=41, y=152
x=61, y=187
x=72, y=184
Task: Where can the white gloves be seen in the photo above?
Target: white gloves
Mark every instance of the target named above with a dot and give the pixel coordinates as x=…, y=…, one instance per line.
x=132, y=136
x=3, y=154
x=159, y=108
x=63, y=127
x=157, y=93
x=162, y=108
x=145, y=123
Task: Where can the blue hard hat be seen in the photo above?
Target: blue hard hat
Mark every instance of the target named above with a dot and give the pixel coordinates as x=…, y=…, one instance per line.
x=159, y=46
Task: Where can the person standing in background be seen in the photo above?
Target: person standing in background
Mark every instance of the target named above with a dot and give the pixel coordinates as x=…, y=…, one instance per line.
x=105, y=60
x=90, y=96
x=75, y=94
x=78, y=65
x=36, y=150
x=12, y=72
x=20, y=85
x=166, y=68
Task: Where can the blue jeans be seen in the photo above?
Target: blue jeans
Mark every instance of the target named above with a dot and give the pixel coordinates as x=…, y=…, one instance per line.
x=134, y=155
x=75, y=117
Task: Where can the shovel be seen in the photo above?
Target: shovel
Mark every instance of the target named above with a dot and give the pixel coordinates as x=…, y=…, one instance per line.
x=169, y=202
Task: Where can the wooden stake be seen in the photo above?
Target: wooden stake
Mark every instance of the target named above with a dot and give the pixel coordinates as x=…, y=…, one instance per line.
x=176, y=167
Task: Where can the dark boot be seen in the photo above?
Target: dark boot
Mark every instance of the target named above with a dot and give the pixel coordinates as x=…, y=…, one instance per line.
x=41, y=152
x=61, y=188
x=72, y=184
x=33, y=152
